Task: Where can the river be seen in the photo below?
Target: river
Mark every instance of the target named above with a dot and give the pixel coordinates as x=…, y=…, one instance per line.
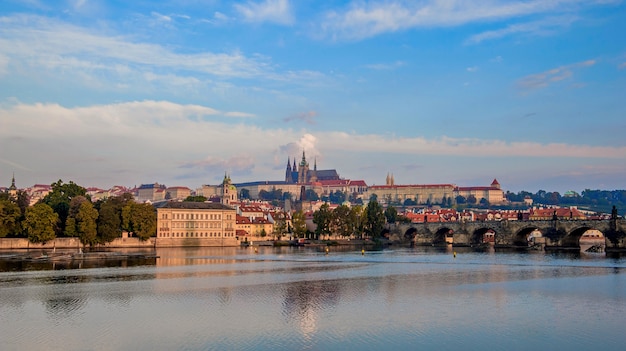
x=307, y=299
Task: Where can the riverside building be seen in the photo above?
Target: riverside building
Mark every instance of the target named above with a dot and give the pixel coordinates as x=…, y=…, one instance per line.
x=195, y=224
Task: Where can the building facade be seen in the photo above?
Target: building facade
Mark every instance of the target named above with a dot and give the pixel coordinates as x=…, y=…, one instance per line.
x=420, y=193
x=493, y=193
x=195, y=224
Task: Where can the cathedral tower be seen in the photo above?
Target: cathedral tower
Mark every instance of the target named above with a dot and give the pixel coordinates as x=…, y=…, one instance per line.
x=303, y=170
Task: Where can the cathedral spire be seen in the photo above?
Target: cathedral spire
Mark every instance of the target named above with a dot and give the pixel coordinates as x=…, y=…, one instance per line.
x=13, y=187
x=303, y=162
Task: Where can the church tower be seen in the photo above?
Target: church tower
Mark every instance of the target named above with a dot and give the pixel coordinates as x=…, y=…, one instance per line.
x=229, y=191
x=288, y=175
x=313, y=177
x=13, y=189
x=303, y=170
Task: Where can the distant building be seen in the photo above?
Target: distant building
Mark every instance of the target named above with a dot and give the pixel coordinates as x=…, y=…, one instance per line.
x=492, y=193
x=420, y=193
x=302, y=174
x=225, y=193
x=177, y=193
x=38, y=192
x=150, y=192
x=195, y=224
x=321, y=182
x=12, y=190
x=560, y=213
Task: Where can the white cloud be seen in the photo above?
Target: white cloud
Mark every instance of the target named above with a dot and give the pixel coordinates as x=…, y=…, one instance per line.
x=366, y=19
x=472, y=69
x=37, y=44
x=41, y=41
x=274, y=11
x=543, y=79
x=160, y=17
x=545, y=26
x=147, y=141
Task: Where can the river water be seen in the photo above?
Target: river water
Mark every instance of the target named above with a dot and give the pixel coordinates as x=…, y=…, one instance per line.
x=307, y=299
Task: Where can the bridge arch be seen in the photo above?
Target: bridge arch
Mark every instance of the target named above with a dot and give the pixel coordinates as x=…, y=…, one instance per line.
x=410, y=233
x=522, y=237
x=483, y=235
x=572, y=239
x=441, y=234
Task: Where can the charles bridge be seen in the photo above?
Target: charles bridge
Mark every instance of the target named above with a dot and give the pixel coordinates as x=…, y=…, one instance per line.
x=555, y=233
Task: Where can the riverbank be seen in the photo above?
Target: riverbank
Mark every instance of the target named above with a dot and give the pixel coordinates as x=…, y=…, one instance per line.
x=72, y=243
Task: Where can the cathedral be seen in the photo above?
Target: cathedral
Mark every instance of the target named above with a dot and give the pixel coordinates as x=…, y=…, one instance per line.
x=302, y=174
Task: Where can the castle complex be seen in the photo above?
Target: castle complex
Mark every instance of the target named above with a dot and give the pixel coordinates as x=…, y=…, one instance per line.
x=302, y=174
x=300, y=178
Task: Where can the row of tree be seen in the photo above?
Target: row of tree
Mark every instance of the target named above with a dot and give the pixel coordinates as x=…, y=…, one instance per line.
x=68, y=212
x=601, y=200
x=353, y=221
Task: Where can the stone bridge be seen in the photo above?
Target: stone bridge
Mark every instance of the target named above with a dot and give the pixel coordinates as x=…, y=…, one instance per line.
x=554, y=233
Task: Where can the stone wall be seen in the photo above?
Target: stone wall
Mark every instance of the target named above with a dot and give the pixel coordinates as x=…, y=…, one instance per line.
x=72, y=243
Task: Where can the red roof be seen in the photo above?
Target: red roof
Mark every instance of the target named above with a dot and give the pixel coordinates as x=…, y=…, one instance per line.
x=475, y=188
x=333, y=182
x=412, y=186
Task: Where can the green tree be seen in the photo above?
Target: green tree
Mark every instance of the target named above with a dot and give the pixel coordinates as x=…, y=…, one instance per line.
x=409, y=202
x=280, y=224
x=391, y=214
x=374, y=219
x=40, y=223
x=86, y=229
x=139, y=219
x=109, y=223
x=70, y=222
x=342, y=221
x=110, y=217
x=59, y=199
x=357, y=220
x=299, y=224
x=471, y=200
x=10, y=215
x=322, y=218
x=311, y=195
x=23, y=201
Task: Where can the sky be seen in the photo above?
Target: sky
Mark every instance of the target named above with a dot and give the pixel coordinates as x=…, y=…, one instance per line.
x=104, y=93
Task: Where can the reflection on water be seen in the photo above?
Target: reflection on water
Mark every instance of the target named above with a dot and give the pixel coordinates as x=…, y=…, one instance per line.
x=302, y=298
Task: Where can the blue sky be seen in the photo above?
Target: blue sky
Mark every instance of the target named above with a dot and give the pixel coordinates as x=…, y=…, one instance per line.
x=106, y=93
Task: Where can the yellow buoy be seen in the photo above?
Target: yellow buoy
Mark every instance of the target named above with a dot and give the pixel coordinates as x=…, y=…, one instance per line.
x=454, y=253
x=362, y=251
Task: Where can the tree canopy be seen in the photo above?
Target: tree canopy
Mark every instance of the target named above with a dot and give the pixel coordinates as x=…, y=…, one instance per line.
x=59, y=199
x=40, y=223
x=10, y=214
